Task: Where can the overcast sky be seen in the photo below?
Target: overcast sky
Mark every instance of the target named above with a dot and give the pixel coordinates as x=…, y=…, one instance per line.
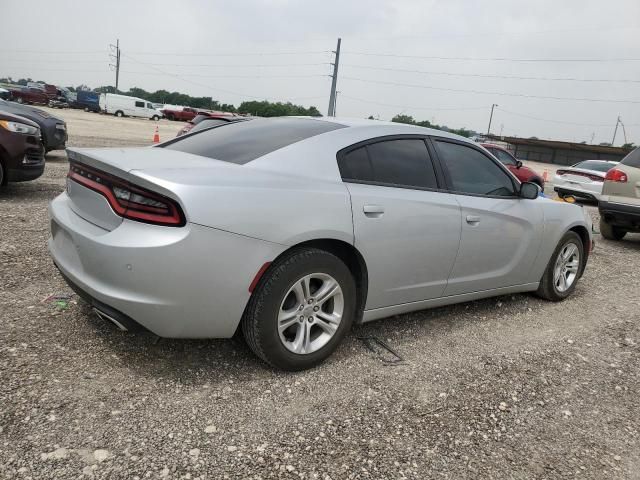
x=280, y=50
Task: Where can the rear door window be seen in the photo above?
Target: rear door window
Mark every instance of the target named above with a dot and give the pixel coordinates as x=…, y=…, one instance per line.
x=140, y=104
x=242, y=142
x=633, y=159
x=472, y=172
x=399, y=162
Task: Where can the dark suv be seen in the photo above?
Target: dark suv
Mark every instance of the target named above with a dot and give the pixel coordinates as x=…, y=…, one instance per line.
x=53, y=129
x=21, y=151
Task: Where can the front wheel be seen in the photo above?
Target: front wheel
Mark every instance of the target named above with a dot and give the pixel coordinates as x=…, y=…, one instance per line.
x=300, y=310
x=119, y=114
x=563, y=270
x=155, y=118
x=610, y=232
x=19, y=100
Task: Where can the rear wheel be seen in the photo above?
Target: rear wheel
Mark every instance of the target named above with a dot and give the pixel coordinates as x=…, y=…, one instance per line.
x=119, y=114
x=610, y=232
x=563, y=270
x=19, y=100
x=301, y=309
x=155, y=118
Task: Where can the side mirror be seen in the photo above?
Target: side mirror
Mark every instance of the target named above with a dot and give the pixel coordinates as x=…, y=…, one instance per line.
x=529, y=190
x=518, y=164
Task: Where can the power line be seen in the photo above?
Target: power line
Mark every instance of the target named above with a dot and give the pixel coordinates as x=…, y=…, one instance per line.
x=482, y=92
x=495, y=59
x=373, y=102
x=244, y=54
x=202, y=84
x=317, y=75
x=550, y=120
x=508, y=77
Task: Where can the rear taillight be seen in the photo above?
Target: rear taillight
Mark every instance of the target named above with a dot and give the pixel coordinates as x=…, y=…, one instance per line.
x=615, y=175
x=128, y=200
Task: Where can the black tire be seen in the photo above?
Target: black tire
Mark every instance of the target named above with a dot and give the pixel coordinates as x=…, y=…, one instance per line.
x=19, y=100
x=119, y=114
x=610, y=232
x=155, y=118
x=3, y=179
x=86, y=109
x=260, y=319
x=547, y=288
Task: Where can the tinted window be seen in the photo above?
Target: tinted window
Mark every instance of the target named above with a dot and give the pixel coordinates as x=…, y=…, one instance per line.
x=503, y=156
x=595, y=165
x=472, y=172
x=633, y=159
x=139, y=104
x=355, y=165
x=402, y=162
x=241, y=142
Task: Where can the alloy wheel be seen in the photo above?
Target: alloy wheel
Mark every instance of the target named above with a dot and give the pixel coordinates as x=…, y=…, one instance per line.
x=566, y=267
x=310, y=313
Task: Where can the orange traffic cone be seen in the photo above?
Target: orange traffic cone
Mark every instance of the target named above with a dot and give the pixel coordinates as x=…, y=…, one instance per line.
x=545, y=175
x=156, y=136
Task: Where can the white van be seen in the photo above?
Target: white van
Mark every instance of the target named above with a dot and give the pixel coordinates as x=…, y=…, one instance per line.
x=122, y=105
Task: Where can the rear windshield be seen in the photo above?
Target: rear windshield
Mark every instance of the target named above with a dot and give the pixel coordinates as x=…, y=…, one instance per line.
x=243, y=142
x=633, y=159
x=595, y=165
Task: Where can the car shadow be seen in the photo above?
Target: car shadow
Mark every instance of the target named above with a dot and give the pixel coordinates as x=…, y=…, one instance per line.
x=215, y=361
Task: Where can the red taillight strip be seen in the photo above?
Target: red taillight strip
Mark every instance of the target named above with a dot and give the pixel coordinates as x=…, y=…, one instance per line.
x=131, y=210
x=258, y=276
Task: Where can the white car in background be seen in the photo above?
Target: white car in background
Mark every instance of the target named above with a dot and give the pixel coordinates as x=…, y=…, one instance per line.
x=584, y=179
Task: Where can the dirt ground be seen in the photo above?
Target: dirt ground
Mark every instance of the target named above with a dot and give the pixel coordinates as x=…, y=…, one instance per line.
x=506, y=388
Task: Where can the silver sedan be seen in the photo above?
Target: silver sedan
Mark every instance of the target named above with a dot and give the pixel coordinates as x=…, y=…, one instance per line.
x=293, y=229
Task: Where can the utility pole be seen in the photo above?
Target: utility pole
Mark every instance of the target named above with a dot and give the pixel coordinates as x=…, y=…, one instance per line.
x=116, y=58
x=615, y=131
x=334, y=82
x=491, y=117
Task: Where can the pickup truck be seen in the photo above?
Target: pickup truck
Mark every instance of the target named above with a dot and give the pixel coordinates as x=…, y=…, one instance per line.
x=185, y=115
x=29, y=95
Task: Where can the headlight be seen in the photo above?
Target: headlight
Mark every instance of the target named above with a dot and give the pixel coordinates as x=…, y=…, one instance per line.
x=18, y=127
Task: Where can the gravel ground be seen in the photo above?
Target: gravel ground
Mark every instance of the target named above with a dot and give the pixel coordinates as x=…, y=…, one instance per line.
x=510, y=387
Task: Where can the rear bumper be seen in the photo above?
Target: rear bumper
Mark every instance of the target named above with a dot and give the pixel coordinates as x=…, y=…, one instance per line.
x=620, y=215
x=24, y=174
x=577, y=191
x=188, y=282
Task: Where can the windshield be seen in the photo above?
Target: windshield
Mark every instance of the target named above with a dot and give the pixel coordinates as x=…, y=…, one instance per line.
x=242, y=142
x=596, y=165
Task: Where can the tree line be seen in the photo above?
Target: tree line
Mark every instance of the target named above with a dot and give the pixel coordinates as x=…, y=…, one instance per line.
x=400, y=118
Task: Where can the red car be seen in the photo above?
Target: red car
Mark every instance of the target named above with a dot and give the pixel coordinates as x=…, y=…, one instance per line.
x=29, y=95
x=515, y=166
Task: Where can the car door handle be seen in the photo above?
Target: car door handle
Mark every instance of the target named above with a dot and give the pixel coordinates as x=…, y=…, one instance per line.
x=374, y=211
x=473, y=219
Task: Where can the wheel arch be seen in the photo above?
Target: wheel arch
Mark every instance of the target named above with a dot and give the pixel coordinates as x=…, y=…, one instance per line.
x=346, y=252
x=583, y=233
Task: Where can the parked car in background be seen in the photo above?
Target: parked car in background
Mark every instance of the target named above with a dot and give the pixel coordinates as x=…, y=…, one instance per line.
x=52, y=129
x=584, y=179
x=620, y=199
x=85, y=100
x=515, y=166
x=185, y=114
x=21, y=150
x=207, y=120
x=4, y=94
x=29, y=95
x=315, y=224
x=125, y=106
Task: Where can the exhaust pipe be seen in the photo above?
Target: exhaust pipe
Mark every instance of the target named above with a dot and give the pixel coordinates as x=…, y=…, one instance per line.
x=104, y=316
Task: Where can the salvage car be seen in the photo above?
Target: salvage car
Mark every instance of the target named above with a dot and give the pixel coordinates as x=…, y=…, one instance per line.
x=52, y=129
x=584, y=179
x=21, y=152
x=29, y=95
x=292, y=229
x=619, y=204
x=515, y=166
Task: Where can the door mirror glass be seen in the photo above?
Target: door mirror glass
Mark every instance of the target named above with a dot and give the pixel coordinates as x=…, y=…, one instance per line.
x=529, y=190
